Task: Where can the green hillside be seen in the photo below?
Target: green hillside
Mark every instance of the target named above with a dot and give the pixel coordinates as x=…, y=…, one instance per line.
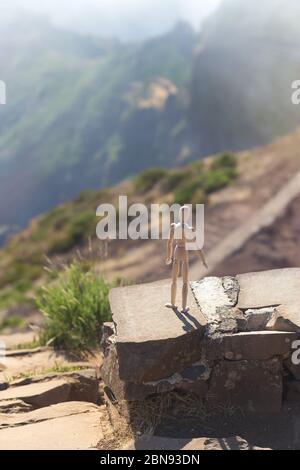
x=59, y=234
x=84, y=112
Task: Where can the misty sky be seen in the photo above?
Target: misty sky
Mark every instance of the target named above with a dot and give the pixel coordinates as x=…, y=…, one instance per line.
x=128, y=19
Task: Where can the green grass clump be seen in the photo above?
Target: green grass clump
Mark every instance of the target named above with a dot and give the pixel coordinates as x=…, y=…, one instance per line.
x=224, y=161
x=19, y=270
x=195, y=189
x=185, y=194
x=215, y=180
x=79, y=228
x=173, y=180
x=148, y=178
x=13, y=321
x=222, y=172
x=75, y=307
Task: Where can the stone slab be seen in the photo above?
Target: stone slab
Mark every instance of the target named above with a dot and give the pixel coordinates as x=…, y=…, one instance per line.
x=152, y=341
x=254, y=345
x=40, y=394
x=140, y=315
x=34, y=363
x=193, y=379
x=64, y=427
x=14, y=406
x=54, y=389
x=59, y=410
x=269, y=288
x=257, y=319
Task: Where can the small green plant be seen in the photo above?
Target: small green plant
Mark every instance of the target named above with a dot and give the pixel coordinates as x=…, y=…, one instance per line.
x=148, y=178
x=75, y=306
x=19, y=270
x=222, y=172
x=173, y=180
x=185, y=193
x=12, y=321
x=214, y=180
x=225, y=160
x=79, y=228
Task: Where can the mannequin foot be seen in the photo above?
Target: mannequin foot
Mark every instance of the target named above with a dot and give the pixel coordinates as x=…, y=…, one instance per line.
x=169, y=305
x=185, y=310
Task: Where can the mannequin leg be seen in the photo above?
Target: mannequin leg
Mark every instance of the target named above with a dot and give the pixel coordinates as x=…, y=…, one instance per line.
x=175, y=273
x=185, y=278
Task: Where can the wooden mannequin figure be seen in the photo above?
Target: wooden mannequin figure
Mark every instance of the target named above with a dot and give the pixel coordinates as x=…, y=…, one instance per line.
x=177, y=255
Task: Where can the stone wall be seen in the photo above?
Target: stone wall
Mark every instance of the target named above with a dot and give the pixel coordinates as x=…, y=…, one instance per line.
x=233, y=348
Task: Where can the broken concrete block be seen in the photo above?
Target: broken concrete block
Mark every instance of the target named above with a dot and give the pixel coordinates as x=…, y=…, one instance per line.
x=152, y=341
x=213, y=294
x=254, y=386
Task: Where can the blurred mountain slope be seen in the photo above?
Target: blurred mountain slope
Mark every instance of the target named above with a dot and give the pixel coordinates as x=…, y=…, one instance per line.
x=262, y=173
x=85, y=112
x=243, y=74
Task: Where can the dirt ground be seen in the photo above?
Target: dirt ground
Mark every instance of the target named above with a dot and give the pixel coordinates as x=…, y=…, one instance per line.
x=278, y=432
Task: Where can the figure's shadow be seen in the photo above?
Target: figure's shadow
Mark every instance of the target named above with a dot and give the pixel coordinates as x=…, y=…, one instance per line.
x=190, y=323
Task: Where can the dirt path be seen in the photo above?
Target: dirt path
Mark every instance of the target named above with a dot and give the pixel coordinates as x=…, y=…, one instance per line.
x=265, y=217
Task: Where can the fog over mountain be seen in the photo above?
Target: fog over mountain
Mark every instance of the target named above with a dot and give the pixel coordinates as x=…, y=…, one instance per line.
x=89, y=111
x=128, y=20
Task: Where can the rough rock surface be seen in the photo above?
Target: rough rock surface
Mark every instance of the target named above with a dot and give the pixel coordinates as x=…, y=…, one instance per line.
x=193, y=378
x=33, y=362
x=65, y=426
x=152, y=341
x=241, y=331
x=254, y=386
x=14, y=406
x=257, y=319
x=40, y=392
x=260, y=345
